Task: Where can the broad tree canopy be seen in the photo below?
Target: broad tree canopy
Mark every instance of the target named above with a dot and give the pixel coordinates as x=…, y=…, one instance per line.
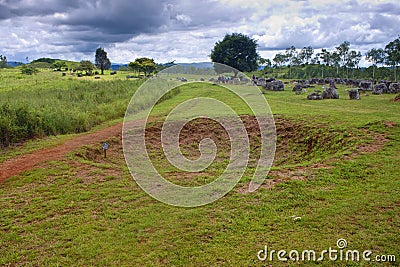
x=237, y=51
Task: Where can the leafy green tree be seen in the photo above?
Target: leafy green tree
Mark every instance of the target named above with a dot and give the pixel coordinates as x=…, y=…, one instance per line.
x=326, y=57
x=59, y=65
x=101, y=60
x=265, y=62
x=144, y=64
x=291, y=58
x=28, y=70
x=135, y=66
x=44, y=59
x=353, y=60
x=279, y=59
x=336, y=59
x=3, y=61
x=343, y=51
x=305, y=54
x=376, y=56
x=392, y=51
x=237, y=51
x=87, y=66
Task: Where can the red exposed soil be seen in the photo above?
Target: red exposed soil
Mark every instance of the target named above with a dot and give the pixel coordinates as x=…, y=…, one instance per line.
x=26, y=162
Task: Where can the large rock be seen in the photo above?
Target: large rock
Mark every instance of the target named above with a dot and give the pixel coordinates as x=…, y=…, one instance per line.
x=394, y=88
x=354, y=94
x=316, y=95
x=274, y=86
x=330, y=93
x=380, y=89
x=260, y=82
x=298, y=89
x=365, y=85
x=386, y=82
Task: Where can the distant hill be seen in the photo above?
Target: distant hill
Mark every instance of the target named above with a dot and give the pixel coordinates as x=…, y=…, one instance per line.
x=116, y=66
x=14, y=63
x=199, y=65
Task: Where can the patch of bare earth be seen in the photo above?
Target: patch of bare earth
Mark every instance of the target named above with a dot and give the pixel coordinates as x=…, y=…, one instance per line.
x=295, y=145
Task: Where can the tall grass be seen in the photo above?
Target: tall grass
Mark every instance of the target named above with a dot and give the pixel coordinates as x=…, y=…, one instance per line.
x=45, y=105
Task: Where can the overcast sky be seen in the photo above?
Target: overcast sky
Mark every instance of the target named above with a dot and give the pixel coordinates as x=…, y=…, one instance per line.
x=185, y=30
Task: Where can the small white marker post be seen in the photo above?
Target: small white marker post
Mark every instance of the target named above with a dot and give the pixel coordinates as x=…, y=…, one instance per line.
x=105, y=147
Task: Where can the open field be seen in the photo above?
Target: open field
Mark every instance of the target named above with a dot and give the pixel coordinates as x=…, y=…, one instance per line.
x=336, y=169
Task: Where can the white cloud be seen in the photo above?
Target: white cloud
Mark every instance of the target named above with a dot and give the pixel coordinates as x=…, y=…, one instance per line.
x=187, y=30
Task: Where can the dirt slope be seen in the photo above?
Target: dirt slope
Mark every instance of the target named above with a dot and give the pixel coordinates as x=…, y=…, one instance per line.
x=19, y=164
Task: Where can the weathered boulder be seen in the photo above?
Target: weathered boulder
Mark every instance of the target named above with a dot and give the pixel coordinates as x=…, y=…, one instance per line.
x=380, y=89
x=260, y=82
x=365, y=85
x=394, y=88
x=298, y=89
x=330, y=93
x=316, y=95
x=386, y=82
x=274, y=86
x=352, y=82
x=354, y=94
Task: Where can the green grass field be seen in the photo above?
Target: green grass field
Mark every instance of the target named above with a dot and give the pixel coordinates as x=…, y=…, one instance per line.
x=336, y=168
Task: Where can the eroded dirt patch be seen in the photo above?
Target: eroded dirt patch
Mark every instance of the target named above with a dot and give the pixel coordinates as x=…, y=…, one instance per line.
x=297, y=142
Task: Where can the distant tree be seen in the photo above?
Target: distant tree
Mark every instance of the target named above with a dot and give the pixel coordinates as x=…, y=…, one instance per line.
x=291, y=58
x=326, y=57
x=306, y=54
x=266, y=62
x=376, y=56
x=343, y=51
x=148, y=65
x=59, y=64
x=144, y=64
x=3, y=61
x=135, y=66
x=354, y=58
x=392, y=51
x=87, y=66
x=101, y=60
x=44, y=59
x=279, y=60
x=237, y=51
x=336, y=59
x=28, y=70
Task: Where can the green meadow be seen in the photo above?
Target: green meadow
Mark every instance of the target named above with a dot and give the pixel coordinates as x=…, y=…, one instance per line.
x=335, y=176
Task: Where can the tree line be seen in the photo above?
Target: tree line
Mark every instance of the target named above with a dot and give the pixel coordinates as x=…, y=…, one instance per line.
x=342, y=58
x=102, y=63
x=239, y=51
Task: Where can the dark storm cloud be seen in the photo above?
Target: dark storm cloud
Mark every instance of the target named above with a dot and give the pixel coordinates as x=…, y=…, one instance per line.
x=109, y=21
x=116, y=16
x=75, y=28
x=23, y=8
